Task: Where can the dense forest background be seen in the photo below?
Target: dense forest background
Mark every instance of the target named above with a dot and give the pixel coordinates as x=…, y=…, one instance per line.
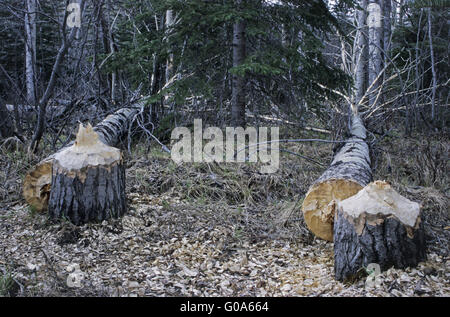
x=294, y=61
x=303, y=66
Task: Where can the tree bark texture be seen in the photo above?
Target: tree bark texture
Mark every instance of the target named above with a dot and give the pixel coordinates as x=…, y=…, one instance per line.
x=387, y=29
x=88, y=181
x=379, y=226
x=30, y=51
x=238, y=81
x=433, y=69
x=40, y=126
x=360, y=56
x=375, y=45
x=169, y=63
x=347, y=174
x=37, y=183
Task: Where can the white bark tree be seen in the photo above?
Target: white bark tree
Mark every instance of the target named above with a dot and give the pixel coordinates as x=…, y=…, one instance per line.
x=30, y=51
x=433, y=69
x=360, y=58
x=375, y=56
x=169, y=62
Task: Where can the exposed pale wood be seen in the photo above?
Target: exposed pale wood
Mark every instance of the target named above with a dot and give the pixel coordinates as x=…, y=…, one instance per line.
x=318, y=216
x=37, y=182
x=377, y=225
x=88, y=181
x=86, y=150
x=348, y=173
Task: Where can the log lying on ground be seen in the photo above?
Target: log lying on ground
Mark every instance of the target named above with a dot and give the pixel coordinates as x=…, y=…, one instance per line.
x=377, y=225
x=37, y=183
x=348, y=173
x=88, y=181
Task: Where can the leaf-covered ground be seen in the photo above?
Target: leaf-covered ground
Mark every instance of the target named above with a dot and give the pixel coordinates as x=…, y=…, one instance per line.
x=205, y=230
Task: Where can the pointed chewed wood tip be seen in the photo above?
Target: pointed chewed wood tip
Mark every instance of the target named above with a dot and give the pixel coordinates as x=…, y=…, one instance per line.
x=86, y=136
x=87, y=150
x=381, y=184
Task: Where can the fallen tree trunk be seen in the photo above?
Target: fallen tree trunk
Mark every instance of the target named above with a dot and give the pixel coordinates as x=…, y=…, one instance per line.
x=377, y=225
x=348, y=173
x=37, y=183
x=88, y=181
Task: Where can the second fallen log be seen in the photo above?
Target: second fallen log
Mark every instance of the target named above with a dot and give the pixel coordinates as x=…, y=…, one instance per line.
x=88, y=181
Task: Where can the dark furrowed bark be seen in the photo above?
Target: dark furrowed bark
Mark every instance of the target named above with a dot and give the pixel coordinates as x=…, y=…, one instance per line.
x=386, y=244
x=37, y=183
x=377, y=226
x=94, y=194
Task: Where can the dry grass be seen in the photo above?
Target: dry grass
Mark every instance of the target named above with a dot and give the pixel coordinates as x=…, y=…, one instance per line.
x=13, y=166
x=419, y=168
x=225, y=207
x=416, y=161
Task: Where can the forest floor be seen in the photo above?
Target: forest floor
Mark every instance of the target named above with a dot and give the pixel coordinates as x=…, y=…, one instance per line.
x=210, y=230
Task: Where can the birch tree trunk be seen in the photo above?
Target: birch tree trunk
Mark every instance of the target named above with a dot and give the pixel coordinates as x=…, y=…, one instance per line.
x=169, y=62
x=375, y=57
x=157, y=77
x=30, y=51
x=238, y=82
x=400, y=11
x=360, y=56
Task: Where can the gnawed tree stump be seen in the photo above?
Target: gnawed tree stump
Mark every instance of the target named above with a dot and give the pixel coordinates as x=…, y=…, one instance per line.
x=37, y=183
x=88, y=181
x=377, y=225
x=348, y=173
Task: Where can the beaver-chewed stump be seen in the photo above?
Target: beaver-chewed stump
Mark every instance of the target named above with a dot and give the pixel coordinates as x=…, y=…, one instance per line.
x=377, y=225
x=88, y=181
x=37, y=184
